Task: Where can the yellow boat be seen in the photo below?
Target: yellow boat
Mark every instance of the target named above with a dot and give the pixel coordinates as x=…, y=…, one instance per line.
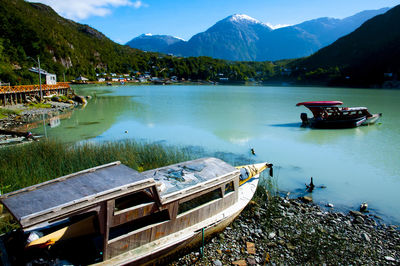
x=250, y=171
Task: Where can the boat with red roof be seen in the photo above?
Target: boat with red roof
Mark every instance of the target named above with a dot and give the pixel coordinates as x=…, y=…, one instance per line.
x=329, y=114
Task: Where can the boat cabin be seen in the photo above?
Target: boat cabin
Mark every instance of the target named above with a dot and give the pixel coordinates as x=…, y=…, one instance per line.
x=331, y=110
x=114, y=214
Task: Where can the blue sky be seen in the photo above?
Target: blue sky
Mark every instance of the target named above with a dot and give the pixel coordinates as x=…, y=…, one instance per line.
x=122, y=20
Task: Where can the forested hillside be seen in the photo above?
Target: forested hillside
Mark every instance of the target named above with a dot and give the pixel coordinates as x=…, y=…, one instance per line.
x=368, y=56
x=32, y=30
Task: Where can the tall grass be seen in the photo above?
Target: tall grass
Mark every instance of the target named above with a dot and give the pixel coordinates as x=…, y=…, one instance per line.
x=4, y=112
x=27, y=165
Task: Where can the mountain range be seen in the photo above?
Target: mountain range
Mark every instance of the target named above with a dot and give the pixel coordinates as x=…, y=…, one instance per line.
x=242, y=38
x=369, y=55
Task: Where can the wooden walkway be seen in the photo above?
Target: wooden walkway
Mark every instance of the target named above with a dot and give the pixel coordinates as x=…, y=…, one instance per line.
x=18, y=94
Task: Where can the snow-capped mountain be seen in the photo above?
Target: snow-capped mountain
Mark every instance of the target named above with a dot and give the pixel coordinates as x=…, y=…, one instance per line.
x=233, y=38
x=154, y=43
x=242, y=38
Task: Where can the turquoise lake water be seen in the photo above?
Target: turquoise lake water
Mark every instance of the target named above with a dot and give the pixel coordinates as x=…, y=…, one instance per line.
x=356, y=165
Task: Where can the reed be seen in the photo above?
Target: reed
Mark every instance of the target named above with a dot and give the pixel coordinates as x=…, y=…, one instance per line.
x=26, y=165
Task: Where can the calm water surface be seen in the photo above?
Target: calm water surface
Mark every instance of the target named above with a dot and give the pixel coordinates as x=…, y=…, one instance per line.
x=355, y=165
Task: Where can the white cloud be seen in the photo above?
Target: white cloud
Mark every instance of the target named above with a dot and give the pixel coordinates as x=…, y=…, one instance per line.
x=139, y=4
x=277, y=26
x=81, y=9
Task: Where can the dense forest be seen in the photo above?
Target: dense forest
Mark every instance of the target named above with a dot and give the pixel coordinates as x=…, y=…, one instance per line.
x=29, y=30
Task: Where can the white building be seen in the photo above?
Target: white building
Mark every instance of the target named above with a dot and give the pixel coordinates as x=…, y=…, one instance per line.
x=51, y=79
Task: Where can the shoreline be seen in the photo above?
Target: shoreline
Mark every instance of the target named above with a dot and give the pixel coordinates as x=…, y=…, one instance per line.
x=15, y=128
x=27, y=114
x=277, y=230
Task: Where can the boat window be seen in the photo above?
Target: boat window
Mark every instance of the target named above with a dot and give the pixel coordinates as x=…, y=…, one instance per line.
x=154, y=218
x=134, y=199
x=229, y=188
x=201, y=200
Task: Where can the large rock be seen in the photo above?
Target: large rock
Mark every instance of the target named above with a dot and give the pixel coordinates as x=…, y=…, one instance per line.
x=80, y=99
x=306, y=199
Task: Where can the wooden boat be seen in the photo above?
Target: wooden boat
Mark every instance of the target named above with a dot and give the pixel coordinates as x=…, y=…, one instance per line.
x=328, y=114
x=114, y=215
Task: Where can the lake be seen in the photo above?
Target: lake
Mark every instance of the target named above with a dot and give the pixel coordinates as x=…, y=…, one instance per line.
x=356, y=165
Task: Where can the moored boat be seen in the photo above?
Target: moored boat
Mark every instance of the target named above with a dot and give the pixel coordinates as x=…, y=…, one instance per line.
x=328, y=114
x=114, y=215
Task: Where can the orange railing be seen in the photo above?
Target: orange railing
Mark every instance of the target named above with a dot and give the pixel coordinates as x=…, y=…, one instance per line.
x=31, y=88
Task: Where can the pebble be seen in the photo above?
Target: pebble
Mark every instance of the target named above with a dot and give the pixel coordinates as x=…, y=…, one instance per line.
x=217, y=263
x=306, y=199
x=388, y=258
x=356, y=213
x=305, y=235
x=359, y=220
x=271, y=235
x=365, y=236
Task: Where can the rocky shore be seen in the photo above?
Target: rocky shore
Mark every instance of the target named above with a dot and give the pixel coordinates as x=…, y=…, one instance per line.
x=26, y=115
x=276, y=230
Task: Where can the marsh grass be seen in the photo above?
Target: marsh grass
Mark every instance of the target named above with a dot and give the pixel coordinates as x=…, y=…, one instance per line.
x=27, y=165
x=6, y=112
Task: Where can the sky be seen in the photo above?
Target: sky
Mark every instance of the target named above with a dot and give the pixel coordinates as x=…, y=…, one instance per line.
x=123, y=20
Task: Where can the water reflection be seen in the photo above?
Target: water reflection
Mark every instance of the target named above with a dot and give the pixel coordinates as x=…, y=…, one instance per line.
x=92, y=121
x=295, y=125
x=54, y=122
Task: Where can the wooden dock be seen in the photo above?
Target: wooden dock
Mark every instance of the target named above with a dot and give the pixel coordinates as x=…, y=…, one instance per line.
x=18, y=94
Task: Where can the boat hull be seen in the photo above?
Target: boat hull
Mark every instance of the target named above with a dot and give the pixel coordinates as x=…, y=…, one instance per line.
x=160, y=250
x=337, y=123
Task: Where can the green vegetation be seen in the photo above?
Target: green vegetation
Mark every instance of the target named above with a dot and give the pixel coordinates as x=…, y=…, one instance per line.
x=33, y=29
x=23, y=166
x=39, y=105
x=6, y=112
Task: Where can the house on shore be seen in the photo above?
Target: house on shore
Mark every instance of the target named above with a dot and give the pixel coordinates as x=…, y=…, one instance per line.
x=50, y=79
x=81, y=79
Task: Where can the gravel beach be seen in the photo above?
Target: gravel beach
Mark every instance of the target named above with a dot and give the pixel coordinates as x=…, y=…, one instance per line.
x=283, y=231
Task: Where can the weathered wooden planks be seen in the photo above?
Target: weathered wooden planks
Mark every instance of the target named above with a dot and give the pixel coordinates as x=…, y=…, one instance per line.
x=66, y=194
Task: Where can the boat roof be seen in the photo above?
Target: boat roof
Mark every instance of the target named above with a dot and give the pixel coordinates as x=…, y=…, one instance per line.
x=320, y=103
x=179, y=180
x=54, y=198
x=60, y=197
